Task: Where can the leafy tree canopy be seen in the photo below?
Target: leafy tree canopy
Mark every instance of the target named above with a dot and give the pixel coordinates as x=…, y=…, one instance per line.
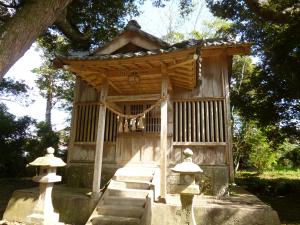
x=16, y=91
x=272, y=94
x=86, y=24
x=21, y=139
x=13, y=138
x=58, y=82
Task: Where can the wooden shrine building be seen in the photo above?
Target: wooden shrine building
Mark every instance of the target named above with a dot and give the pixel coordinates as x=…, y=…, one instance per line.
x=140, y=102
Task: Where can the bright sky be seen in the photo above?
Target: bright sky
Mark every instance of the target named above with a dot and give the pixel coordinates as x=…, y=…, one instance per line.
x=153, y=20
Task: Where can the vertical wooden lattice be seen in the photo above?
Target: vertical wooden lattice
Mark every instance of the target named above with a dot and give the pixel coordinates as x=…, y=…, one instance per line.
x=199, y=121
x=152, y=119
x=87, y=120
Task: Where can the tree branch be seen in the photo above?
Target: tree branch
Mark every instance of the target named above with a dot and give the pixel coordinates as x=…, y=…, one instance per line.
x=18, y=33
x=9, y=6
x=271, y=15
x=70, y=31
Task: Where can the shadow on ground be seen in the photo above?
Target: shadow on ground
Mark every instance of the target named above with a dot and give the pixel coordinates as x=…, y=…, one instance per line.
x=282, y=194
x=8, y=186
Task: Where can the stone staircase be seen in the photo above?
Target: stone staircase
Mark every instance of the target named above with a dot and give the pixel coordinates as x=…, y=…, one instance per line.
x=124, y=200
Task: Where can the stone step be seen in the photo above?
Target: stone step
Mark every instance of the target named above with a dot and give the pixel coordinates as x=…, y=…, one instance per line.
x=113, y=220
x=122, y=211
x=117, y=200
x=133, y=178
x=130, y=184
x=134, y=174
x=126, y=192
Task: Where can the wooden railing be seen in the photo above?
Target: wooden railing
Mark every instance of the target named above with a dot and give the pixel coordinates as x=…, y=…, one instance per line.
x=199, y=121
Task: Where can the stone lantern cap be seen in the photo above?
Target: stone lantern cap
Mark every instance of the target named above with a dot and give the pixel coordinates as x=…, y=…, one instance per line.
x=187, y=166
x=48, y=160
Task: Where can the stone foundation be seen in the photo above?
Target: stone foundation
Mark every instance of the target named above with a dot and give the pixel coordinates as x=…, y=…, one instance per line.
x=241, y=208
x=80, y=175
x=213, y=180
x=73, y=205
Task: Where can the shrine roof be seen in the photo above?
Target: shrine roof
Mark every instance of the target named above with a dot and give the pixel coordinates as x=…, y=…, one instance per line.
x=134, y=62
x=184, y=45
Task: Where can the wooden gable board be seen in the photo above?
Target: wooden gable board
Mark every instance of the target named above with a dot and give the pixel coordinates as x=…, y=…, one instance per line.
x=133, y=35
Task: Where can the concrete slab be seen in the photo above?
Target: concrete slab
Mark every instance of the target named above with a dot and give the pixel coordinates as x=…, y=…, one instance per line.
x=73, y=204
x=240, y=208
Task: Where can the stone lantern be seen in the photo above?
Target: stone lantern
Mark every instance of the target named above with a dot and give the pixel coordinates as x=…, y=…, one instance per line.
x=43, y=212
x=187, y=187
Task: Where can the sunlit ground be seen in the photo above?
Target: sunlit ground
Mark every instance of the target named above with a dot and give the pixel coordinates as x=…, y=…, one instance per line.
x=279, y=188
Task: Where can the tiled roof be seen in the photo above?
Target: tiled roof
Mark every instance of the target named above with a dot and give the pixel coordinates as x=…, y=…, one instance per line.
x=192, y=43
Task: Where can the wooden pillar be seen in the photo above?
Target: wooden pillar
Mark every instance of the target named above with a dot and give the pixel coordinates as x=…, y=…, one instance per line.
x=100, y=140
x=163, y=137
x=225, y=64
x=73, y=130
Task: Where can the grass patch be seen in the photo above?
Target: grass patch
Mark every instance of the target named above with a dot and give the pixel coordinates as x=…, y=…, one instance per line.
x=278, y=188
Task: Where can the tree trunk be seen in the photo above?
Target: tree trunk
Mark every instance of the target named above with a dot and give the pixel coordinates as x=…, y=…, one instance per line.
x=49, y=109
x=49, y=100
x=18, y=34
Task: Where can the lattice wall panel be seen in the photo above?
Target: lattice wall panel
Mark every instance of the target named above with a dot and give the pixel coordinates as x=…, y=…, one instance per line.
x=199, y=121
x=87, y=121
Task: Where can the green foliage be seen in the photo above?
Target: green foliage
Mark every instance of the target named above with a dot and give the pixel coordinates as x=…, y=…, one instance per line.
x=44, y=137
x=14, y=134
x=216, y=28
x=173, y=37
x=59, y=83
x=97, y=21
x=101, y=20
x=290, y=154
x=270, y=183
x=19, y=142
x=278, y=188
x=9, y=86
x=252, y=147
x=272, y=94
x=18, y=145
x=11, y=90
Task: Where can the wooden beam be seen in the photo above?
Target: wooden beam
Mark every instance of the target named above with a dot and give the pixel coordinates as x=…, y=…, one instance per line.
x=181, y=64
x=186, y=72
x=226, y=50
x=100, y=141
x=199, y=143
x=114, y=87
x=170, y=85
x=115, y=106
x=133, y=98
x=148, y=76
x=163, y=138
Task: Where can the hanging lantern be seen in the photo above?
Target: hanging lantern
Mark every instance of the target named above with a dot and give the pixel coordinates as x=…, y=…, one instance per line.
x=132, y=124
x=126, y=128
x=120, y=124
x=140, y=123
